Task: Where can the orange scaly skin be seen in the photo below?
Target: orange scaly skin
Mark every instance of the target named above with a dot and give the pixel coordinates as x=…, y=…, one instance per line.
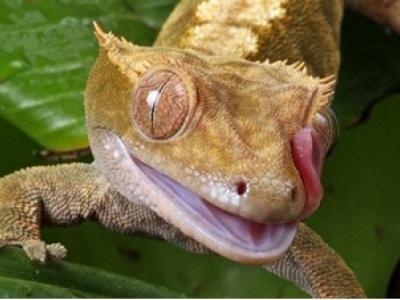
x=206, y=113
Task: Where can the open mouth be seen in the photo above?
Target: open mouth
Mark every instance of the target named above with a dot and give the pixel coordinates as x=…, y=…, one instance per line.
x=228, y=235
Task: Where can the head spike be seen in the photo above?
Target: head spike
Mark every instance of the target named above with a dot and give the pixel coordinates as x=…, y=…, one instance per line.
x=99, y=33
x=299, y=66
x=330, y=80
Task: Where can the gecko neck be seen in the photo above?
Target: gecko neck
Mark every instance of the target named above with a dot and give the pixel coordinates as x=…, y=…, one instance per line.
x=255, y=31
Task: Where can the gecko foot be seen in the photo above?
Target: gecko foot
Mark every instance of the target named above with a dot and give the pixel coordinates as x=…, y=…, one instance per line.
x=38, y=250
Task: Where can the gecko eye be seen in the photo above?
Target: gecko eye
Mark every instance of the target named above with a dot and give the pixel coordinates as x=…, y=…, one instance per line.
x=161, y=104
x=327, y=126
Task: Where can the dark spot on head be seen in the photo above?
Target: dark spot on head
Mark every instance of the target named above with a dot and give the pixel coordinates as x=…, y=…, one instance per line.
x=241, y=187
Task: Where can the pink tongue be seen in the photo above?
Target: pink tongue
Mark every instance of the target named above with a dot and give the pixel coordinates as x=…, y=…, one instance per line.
x=308, y=155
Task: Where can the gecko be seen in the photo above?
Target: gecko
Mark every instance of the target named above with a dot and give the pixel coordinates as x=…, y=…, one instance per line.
x=213, y=139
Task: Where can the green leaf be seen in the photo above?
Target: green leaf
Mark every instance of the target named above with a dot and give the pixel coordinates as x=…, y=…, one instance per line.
x=359, y=215
x=21, y=278
x=47, y=51
x=369, y=70
x=153, y=13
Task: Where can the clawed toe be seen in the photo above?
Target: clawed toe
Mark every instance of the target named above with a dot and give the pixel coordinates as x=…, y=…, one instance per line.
x=38, y=250
x=57, y=251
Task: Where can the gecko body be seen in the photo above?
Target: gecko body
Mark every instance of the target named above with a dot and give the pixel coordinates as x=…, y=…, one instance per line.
x=213, y=139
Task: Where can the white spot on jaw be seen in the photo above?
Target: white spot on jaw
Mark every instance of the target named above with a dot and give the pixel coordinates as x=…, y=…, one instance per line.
x=116, y=154
x=235, y=200
x=214, y=192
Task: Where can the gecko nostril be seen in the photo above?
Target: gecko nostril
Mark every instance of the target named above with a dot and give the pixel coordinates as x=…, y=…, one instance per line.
x=241, y=187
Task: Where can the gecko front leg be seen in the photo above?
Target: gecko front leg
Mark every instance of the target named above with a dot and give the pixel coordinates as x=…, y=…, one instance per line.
x=69, y=194
x=316, y=268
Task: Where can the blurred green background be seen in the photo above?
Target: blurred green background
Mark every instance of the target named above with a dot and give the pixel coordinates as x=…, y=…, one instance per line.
x=47, y=48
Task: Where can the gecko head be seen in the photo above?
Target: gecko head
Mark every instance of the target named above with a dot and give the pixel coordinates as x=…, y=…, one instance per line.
x=229, y=151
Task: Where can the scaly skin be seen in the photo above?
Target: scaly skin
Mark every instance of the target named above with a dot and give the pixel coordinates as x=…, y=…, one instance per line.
x=203, y=128
x=194, y=156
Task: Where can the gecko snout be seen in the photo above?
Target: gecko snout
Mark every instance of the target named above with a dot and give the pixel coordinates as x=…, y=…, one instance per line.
x=270, y=201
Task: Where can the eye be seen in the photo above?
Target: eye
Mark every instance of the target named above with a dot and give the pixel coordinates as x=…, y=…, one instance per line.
x=161, y=104
x=328, y=127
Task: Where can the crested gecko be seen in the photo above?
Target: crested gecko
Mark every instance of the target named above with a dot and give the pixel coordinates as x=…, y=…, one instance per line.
x=213, y=139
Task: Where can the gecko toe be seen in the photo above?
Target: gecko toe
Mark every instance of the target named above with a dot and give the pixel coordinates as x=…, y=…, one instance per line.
x=57, y=251
x=36, y=250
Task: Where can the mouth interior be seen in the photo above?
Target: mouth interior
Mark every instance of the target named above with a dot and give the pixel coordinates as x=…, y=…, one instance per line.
x=227, y=234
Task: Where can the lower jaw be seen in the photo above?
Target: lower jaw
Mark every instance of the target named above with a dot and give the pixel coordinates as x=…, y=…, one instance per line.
x=228, y=235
